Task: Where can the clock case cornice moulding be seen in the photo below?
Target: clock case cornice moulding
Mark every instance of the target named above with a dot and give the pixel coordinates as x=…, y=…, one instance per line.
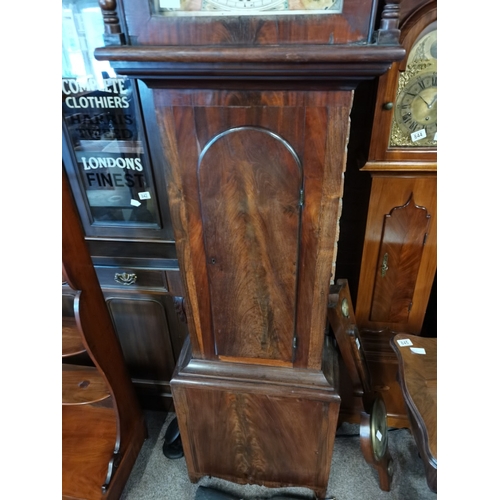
x=338, y=53
x=336, y=66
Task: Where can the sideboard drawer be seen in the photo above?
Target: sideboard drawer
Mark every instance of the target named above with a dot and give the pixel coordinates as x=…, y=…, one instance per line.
x=131, y=278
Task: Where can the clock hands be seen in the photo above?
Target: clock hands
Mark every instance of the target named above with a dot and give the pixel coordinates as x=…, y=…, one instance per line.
x=429, y=105
x=433, y=101
x=426, y=103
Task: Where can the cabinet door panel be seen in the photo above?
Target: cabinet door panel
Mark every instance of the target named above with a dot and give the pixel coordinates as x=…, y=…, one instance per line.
x=402, y=244
x=141, y=324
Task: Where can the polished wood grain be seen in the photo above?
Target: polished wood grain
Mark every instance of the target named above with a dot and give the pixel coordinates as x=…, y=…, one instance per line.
x=408, y=7
x=82, y=385
x=308, y=122
x=145, y=321
x=418, y=379
x=93, y=317
x=401, y=247
x=142, y=328
x=318, y=67
x=400, y=166
x=103, y=428
x=250, y=111
x=250, y=184
x=397, y=303
x=343, y=324
x=113, y=33
x=252, y=451
x=71, y=338
x=88, y=441
x=412, y=261
x=383, y=366
x=342, y=321
x=275, y=427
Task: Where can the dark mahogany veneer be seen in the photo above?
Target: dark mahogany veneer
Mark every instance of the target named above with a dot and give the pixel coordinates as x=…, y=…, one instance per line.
x=253, y=115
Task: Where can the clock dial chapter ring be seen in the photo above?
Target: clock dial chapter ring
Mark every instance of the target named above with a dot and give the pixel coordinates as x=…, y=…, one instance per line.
x=416, y=108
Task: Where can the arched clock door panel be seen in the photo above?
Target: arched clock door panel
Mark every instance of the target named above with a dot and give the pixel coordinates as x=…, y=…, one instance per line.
x=400, y=254
x=250, y=184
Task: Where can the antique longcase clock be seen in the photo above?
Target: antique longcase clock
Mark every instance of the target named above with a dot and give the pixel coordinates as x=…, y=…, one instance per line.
x=249, y=105
x=415, y=114
x=399, y=260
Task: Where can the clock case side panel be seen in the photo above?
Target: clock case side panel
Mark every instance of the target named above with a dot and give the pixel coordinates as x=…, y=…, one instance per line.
x=381, y=156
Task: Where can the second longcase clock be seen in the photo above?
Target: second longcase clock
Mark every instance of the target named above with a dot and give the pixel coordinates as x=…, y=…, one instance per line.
x=399, y=260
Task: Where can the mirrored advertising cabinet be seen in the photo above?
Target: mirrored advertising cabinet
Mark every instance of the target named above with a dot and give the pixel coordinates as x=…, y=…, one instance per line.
x=108, y=159
x=119, y=190
x=113, y=170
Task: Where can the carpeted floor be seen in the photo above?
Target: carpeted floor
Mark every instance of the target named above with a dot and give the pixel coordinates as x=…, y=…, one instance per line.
x=351, y=478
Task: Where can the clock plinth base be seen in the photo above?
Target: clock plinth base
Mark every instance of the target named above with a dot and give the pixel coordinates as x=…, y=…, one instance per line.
x=251, y=424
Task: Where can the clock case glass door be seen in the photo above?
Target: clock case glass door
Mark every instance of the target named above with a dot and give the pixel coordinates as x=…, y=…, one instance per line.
x=244, y=7
x=391, y=145
x=415, y=110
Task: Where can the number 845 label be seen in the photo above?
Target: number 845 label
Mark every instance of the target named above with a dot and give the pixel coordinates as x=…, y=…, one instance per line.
x=405, y=342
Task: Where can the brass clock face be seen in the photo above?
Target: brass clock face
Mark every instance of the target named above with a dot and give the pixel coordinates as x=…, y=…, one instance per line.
x=378, y=429
x=245, y=7
x=415, y=114
x=416, y=108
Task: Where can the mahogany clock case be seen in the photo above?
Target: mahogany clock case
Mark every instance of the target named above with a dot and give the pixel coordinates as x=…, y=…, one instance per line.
x=397, y=276
x=252, y=118
x=257, y=337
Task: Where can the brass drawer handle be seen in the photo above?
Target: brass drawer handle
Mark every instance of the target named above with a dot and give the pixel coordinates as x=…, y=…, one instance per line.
x=126, y=278
x=384, y=268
